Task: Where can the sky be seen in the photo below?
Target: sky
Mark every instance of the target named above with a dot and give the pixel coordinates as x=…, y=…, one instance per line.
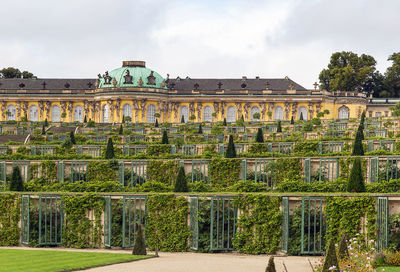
x=195, y=38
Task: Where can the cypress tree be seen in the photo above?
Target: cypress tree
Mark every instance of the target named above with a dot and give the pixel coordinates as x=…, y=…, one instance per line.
x=362, y=120
x=292, y=121
x=123, y=119
x=85, y=119
x=181, y=184
x=121, y=130
x=46, y=123
x=164, y=138
x=301, y=116
x=182, y=119
x=43, y=130
x=279, y=129
x=16, y=183
x=356, y=180
x=224, y=123
x=139, y=247
x=271, y=265
x=110, y=150
x=72, y=137
x=358, y=149
x=156, y=124
x=242, y=119
x=331, y=259
x=230, y=151
x=343, y=250
x=200, y=129
x=260, y=136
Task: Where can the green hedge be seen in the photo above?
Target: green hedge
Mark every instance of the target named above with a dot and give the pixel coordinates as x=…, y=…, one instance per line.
x=10, y=214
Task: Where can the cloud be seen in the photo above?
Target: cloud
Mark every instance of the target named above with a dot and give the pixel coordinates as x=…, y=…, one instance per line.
x=226, y=38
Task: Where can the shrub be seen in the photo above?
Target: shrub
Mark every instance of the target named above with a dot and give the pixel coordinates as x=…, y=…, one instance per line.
x=331, y=263
x=356, y=180
x=224, y=123
x=156, y=150
x=271, y=265
x=164, y=138
x=181, y=184
x=182, y=119
x=292, y=121
x=301, y=116
x=279, y=128
x=46, y=123
x=121, y=130
x=156, y=124
x=16, y=183
x=230, y=151
x=308, y=126
x=72, y=137
x=200, y=129
x=139, y=248
x=110, y=150
x=84, y=120
x=43, y=130
x=260, y=136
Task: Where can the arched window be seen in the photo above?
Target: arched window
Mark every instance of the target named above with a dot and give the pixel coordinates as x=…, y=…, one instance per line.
x=78, y=114
x=11, y=113
x=151, y=110
x=343, y=112
x=302, y=111
x=185, y=114
x=231, y=114
x=127, y=110
x=278, y=113
x=207, y=114
x=33, y=113
x=55, y=114
x=106, y=113
x=253, y=111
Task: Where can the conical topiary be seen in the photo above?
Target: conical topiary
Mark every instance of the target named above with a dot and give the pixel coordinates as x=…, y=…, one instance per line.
x=224, y=123
x=156, y=124
x=200, y=129
x=139, y=247
x=43, y=129
x=358, y=149
x=292, y=121
x=72, y=137
x=362, y=121
x=271, y=265
x=110, y=150
x=260, y=136
x=343, y=250
x=46, y=123
x=164, y=137
x=181, y=184
x=16, y=183
x=182, y=119
x=230, y=151
x=85, y=119
x=331, y=263
x=121, y=130
x=301, y=116
x=356, y=180
x=279, y=128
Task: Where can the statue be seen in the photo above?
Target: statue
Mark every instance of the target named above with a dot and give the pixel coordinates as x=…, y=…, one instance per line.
x=107, y=78
x=128, y=78
x=151, y=79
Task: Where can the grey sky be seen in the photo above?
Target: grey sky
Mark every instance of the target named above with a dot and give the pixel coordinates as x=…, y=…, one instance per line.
x=81, y=38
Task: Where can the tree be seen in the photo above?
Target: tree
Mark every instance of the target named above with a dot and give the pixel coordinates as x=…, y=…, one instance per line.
x=139, y=247
x=224, y=123
x=164, y=138
x=72, y=137
x=43, y=130
x=12, y=72
x=331, y=263
x=260, y=136
x=301, y=116
x=230, y=151
x=200, y=129
x=356, y=180
x=110, y=150
x=395, y=109
x=271, y=265
x=256, y=116
x=279, y=128
x=181, y=184
x=16, y=183
x=156, y=124
x=358, y=149
x=192, y=117
x=343, y=252
x=182, y=119
x=85, y=120
x=46, y=123
x=348, y=72
x=121, y=130
x=362, y=121
x=392, y=76
x=292, y=121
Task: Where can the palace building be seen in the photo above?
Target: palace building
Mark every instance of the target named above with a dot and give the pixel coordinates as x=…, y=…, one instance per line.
x=144, y=95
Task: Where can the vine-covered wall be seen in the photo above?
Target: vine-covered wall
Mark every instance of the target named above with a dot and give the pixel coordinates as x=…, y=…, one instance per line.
x=10, y=215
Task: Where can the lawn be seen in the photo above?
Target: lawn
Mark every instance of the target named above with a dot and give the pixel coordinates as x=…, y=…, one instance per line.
x=389, y=269
x=46, y=260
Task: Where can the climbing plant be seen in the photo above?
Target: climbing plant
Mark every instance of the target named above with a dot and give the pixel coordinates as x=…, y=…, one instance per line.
x=163, y=171
x=9, y=219
x=224, y=172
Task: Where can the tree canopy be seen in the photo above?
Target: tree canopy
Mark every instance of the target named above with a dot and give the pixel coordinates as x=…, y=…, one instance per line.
x=12, y=72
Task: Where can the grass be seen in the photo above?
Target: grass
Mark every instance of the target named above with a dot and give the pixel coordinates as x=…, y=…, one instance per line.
x=48, y=260
x=389, y=269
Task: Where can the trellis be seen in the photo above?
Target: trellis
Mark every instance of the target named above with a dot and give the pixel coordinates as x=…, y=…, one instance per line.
x=42, y=150
x=328, y=169
x=392, y=168
x=137, y=172
x=134, y=213
x=107, y=221
x=194, y=223
x=200, y=170
x=330, y=147
x=3, y=175
x=60, y=171
x=78, y=170
x=189, y=150
x=239, y=148
x=285, y=148
x=382, y=223
x=376, y=124
x=373, y=169
x=3, y=150
x=223, y=223
x=338, y=126
x=313, y=226
x=376, y=133
x=134, y=149
x=24, y=167
x=25, y=219
x=307, y=169
x=285, y=224
x=263, y=171
x=221, y=149
x=272, y=128
x=50, y=220
x=243, y=169
x=139, y=138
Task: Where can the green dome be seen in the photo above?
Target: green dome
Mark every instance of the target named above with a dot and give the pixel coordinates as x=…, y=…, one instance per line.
x=132, y=74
